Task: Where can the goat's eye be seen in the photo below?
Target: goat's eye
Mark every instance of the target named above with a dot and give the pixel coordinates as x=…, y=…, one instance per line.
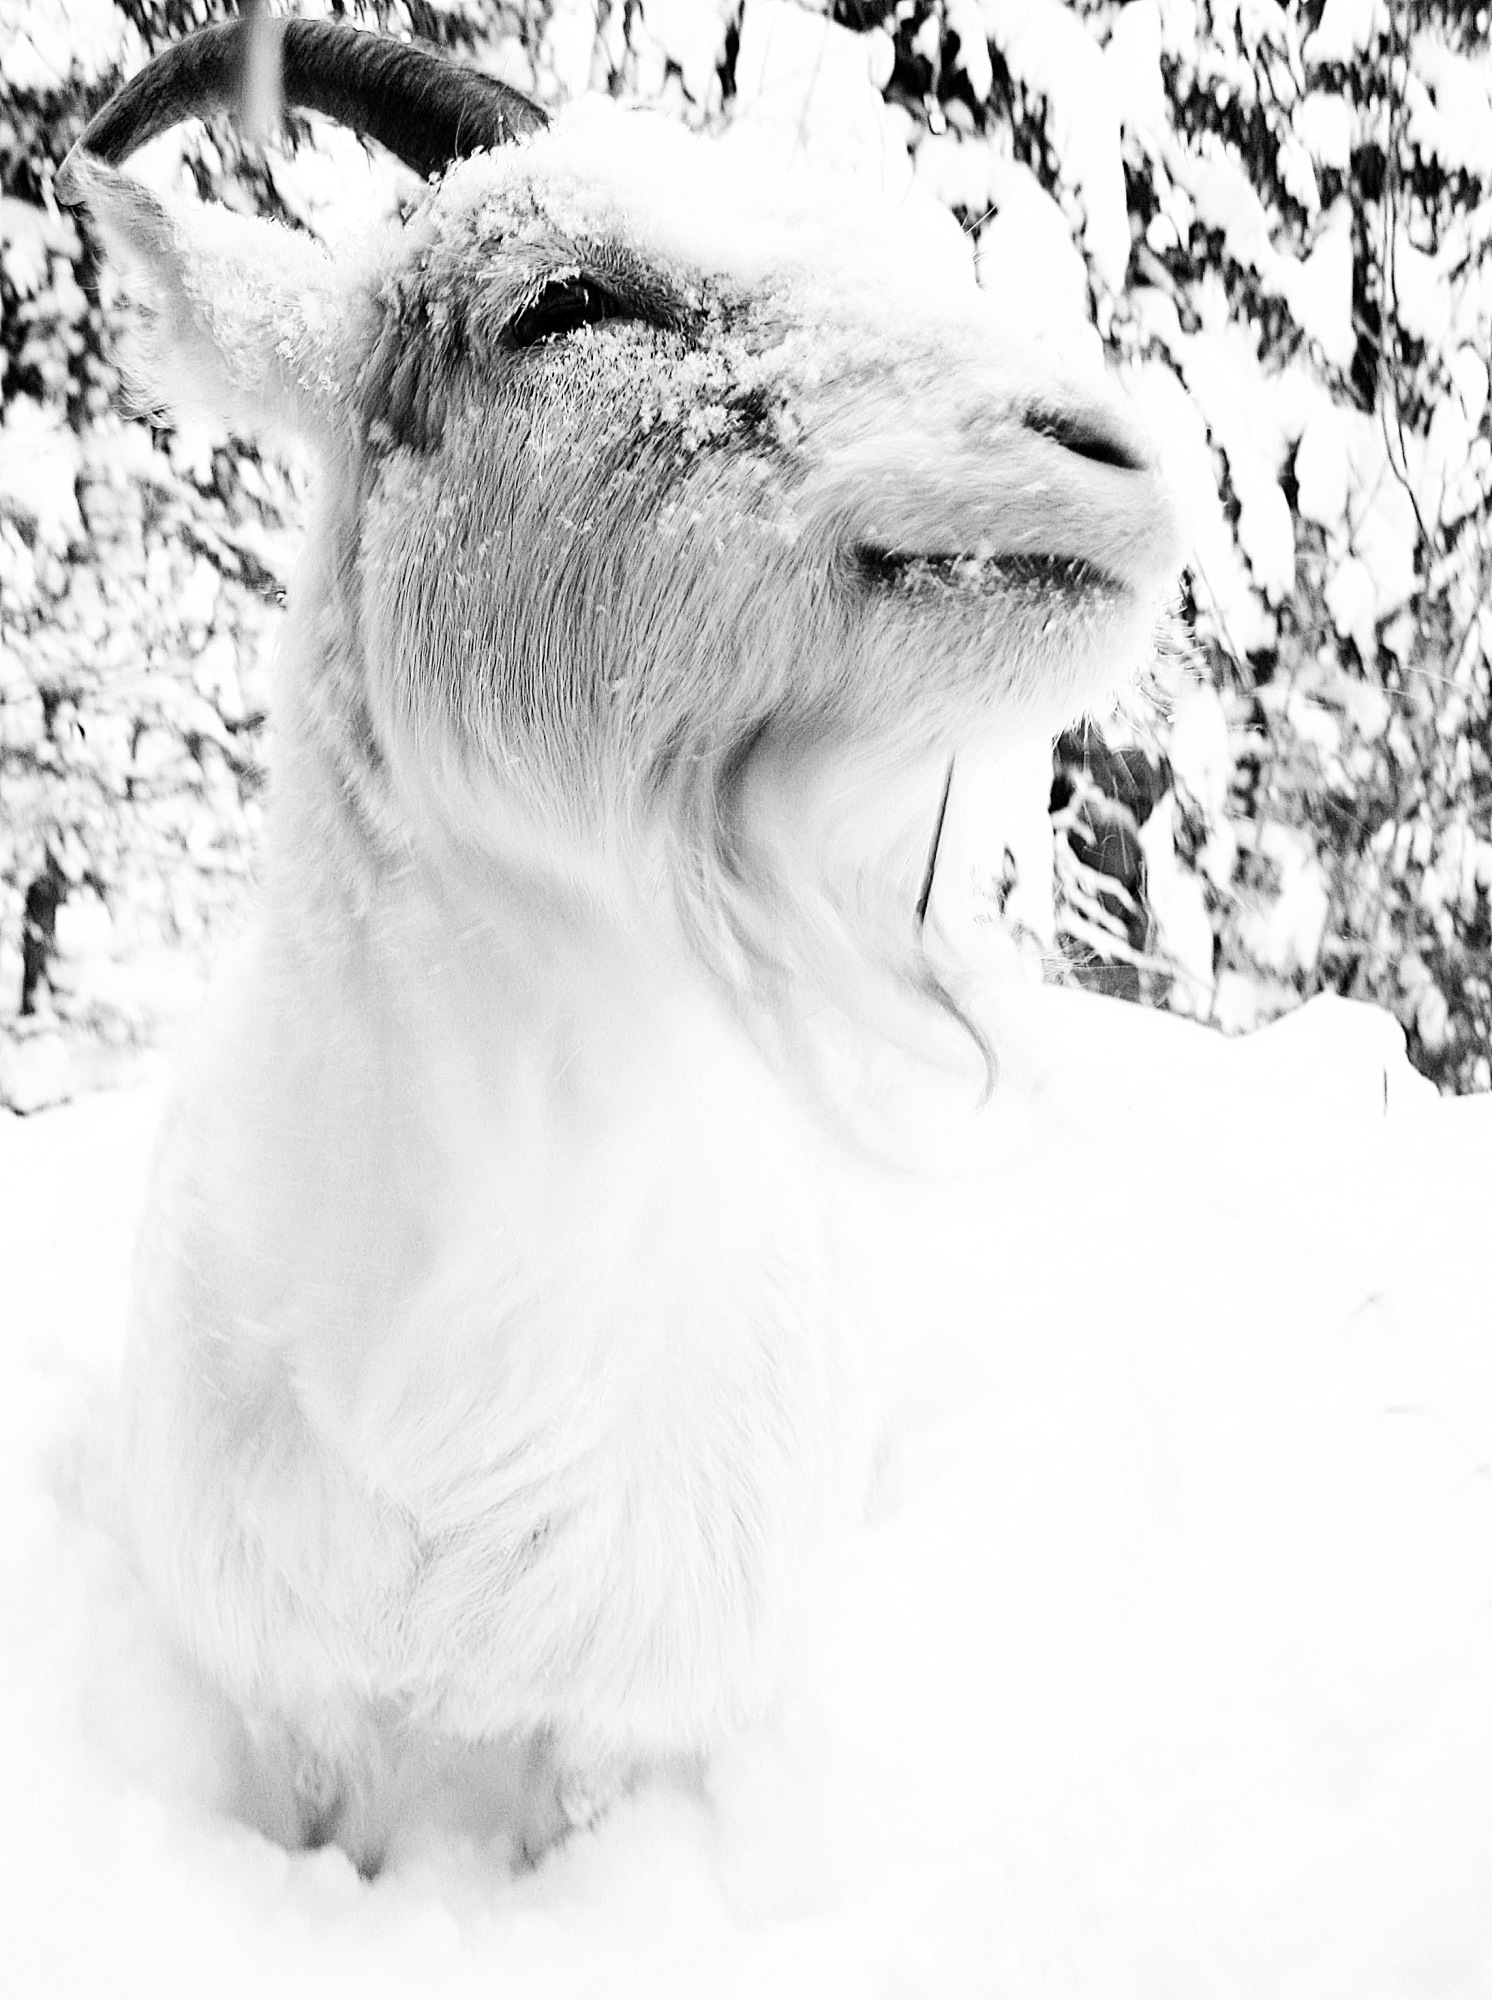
x=563, y=305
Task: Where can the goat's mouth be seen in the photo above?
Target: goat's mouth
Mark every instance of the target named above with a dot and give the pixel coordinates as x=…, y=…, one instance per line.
x=978, y=573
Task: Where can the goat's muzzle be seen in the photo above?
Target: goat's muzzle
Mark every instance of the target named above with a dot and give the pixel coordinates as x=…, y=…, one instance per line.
x=1065, y=500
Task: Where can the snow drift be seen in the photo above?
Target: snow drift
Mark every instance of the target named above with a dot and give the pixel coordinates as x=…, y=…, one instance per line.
x=1162, y=1663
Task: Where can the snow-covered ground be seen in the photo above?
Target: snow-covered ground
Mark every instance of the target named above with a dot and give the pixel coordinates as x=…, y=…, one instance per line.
x=1164, y=1664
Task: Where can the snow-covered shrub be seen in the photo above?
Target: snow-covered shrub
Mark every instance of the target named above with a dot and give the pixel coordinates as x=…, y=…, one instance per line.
x=1306, y=302
x=140, y=575
x=1272, y=217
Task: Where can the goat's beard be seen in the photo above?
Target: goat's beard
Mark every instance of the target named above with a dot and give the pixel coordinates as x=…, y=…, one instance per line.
x=799, y=876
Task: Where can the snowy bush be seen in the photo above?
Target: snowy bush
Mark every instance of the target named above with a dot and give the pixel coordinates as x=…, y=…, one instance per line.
x=1274, y=219
x=1308, y=301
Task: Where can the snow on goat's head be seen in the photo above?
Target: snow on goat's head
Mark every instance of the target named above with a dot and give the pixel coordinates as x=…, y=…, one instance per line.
x=686, y=516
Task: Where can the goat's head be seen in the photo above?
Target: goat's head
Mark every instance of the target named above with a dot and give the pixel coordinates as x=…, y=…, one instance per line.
x=681, y=506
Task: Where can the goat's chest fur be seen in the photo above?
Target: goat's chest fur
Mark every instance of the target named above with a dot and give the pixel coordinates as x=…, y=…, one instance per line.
x=498, y=1370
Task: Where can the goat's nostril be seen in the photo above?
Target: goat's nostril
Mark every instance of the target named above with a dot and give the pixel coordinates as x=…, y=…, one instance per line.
x=1088, y=433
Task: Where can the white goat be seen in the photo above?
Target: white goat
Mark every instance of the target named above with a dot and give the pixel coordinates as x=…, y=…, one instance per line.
x=497, y=1376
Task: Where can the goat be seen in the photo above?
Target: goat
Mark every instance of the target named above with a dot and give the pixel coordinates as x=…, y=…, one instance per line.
x=496, y=1376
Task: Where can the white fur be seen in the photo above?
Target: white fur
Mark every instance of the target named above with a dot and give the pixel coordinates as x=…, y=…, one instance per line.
x=498, y=1375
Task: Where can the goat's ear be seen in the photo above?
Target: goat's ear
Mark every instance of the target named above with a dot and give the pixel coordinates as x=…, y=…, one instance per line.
x=237, y=318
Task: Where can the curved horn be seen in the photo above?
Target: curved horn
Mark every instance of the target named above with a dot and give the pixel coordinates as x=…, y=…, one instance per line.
x=426, y=108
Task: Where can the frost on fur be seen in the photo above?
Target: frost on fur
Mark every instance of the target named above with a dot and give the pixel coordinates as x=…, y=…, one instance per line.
x=497, y=1386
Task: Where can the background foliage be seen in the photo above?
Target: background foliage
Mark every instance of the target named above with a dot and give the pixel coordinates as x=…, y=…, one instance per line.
x=1275, y=219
